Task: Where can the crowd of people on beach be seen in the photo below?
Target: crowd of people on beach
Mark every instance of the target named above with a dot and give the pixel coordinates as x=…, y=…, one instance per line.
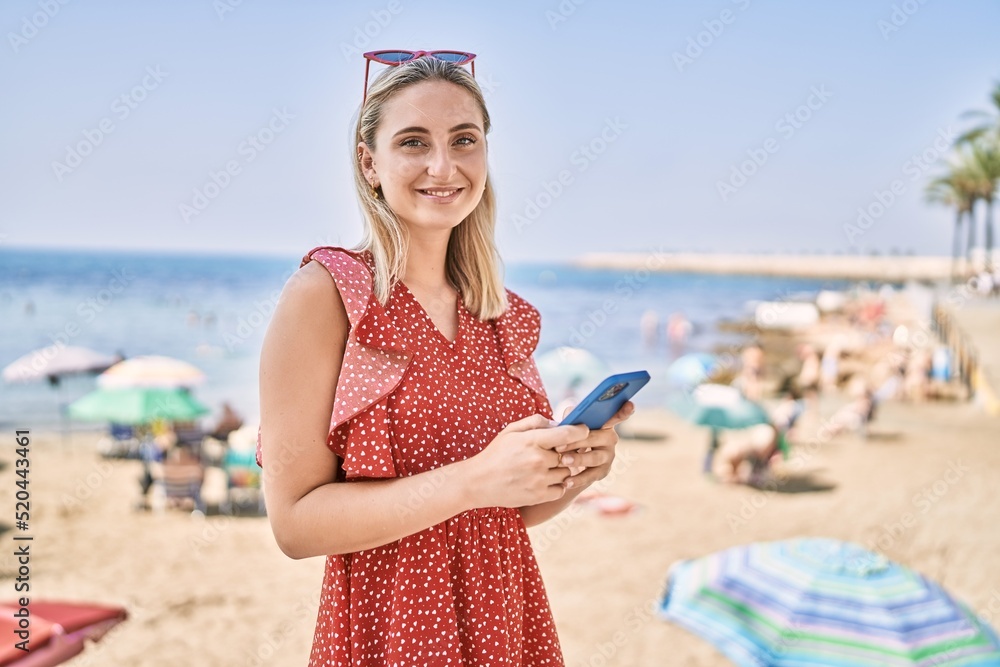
x=855, y=359
x=175, y=456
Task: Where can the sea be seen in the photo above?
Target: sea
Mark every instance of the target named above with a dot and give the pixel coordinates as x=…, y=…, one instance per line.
x=213, y=310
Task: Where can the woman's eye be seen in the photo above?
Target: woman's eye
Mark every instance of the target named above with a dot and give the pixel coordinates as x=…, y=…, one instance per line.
x=410, y=142
x=467, y=141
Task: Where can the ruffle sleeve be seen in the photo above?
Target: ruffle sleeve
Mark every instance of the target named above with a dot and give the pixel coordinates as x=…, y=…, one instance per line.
x=375, y=360
x=518, y=330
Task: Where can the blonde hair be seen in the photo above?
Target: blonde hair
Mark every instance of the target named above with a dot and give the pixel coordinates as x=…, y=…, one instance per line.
x=473, y=264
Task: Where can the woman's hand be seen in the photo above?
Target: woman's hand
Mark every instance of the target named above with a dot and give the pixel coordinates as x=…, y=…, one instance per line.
x=521, y=465
x=591, y=460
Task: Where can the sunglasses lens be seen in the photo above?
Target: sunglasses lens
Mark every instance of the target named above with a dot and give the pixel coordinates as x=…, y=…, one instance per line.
x=395, y=56
x=452, y=56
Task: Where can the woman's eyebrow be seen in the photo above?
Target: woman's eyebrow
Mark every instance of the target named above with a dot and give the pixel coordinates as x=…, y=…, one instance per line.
x=424, y=130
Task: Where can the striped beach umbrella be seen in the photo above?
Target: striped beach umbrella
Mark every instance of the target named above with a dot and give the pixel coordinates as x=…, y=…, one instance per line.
x=151, y=371
x=818, y=601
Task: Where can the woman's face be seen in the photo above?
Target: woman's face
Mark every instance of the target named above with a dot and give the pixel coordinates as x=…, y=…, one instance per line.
x=430, y=156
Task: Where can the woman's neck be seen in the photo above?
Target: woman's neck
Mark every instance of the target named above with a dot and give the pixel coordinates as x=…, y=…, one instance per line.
x=426, y=265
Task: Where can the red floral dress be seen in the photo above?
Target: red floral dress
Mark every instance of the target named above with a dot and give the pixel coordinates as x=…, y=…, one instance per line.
x=466, y=591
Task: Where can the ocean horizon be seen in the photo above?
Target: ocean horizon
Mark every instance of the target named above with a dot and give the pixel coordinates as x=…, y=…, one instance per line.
x=212, y=309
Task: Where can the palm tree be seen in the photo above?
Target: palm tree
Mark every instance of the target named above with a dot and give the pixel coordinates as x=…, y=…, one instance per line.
x=990, y=124
x=986, y=172
x=985, y=163
x=953, y=189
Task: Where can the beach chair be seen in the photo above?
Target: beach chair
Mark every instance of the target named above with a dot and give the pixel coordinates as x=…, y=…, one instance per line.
x=189, y=433
x=181, y=479
x=121, y=442
x=244, y=485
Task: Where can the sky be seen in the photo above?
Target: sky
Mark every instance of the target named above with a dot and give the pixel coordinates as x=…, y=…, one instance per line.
x=723, y=126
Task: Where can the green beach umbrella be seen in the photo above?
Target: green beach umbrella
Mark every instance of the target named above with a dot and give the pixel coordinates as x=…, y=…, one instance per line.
x=717, y=406
x=137, y=406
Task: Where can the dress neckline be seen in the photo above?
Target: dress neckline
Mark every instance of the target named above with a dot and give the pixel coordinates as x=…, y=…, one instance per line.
x=459, y=307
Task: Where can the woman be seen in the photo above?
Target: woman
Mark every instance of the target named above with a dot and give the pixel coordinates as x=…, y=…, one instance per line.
x=405, y=432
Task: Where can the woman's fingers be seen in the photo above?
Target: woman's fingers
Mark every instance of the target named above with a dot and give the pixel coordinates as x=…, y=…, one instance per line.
x=624, y=412
x=587, y=477
x=592, y=459
x=556, y=475
x=561, y=438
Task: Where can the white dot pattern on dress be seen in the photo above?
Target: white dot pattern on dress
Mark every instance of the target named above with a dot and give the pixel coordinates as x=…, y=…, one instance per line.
x=466, y=591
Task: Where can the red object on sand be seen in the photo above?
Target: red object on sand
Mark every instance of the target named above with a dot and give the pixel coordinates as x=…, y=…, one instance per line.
x=608, y=504
x=58, y=631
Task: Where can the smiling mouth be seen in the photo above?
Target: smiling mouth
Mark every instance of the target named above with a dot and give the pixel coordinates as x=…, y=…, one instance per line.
x=441, y=194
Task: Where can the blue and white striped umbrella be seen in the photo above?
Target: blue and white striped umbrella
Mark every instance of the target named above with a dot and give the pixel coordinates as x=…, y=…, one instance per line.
x=823, y=602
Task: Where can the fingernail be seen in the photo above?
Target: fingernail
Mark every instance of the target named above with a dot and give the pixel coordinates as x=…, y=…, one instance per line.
x=567, y=460
x=568, y=483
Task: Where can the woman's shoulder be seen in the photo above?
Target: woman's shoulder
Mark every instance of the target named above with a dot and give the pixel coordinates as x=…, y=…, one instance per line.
x=310, y=300
x=310, y=283
x=519, y=327
x=321, y=291
x=350, y=264
x=519, y=308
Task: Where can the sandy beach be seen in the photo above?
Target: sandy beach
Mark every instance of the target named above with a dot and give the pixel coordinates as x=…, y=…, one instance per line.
x=217, y=591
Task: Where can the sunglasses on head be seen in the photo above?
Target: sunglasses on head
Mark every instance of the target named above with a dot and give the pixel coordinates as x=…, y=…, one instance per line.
x=397, y=57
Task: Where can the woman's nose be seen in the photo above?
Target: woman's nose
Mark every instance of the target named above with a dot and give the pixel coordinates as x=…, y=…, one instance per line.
x=441, y=164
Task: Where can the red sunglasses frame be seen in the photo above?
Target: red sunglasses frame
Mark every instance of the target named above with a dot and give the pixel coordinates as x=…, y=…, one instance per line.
x=374, y=56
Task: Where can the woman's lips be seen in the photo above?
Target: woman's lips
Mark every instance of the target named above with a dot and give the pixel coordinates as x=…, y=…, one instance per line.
x=441, y=195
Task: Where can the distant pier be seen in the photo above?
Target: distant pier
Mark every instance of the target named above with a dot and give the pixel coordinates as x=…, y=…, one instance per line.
x=887, y=268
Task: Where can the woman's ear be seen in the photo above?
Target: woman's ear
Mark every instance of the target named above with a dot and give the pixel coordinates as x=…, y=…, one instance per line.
x=367, y=162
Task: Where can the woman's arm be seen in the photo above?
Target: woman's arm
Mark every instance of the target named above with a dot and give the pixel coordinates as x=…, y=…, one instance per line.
x=311, y=514
x=536, y=514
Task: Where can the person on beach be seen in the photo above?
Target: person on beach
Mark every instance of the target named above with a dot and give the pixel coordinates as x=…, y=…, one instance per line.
x=749, y=380
x=679, y=329
x=229, y=421
x=405, y=432
x=747, y=455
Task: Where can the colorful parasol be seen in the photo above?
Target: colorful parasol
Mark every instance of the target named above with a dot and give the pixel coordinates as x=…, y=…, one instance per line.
x=151, y=371
x=137, y=406
x=717, y=406
x=822, y=602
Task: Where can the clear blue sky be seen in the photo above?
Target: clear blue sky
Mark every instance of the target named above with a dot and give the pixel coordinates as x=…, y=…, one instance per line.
x=676, y=129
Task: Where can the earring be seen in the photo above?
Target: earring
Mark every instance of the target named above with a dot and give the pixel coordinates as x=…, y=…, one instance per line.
x=374, y=192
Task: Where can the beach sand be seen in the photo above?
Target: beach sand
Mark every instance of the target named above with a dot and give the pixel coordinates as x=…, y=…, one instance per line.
x=217, y=591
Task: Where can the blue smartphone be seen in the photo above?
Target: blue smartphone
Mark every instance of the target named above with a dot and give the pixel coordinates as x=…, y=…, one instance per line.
x=607, y=398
